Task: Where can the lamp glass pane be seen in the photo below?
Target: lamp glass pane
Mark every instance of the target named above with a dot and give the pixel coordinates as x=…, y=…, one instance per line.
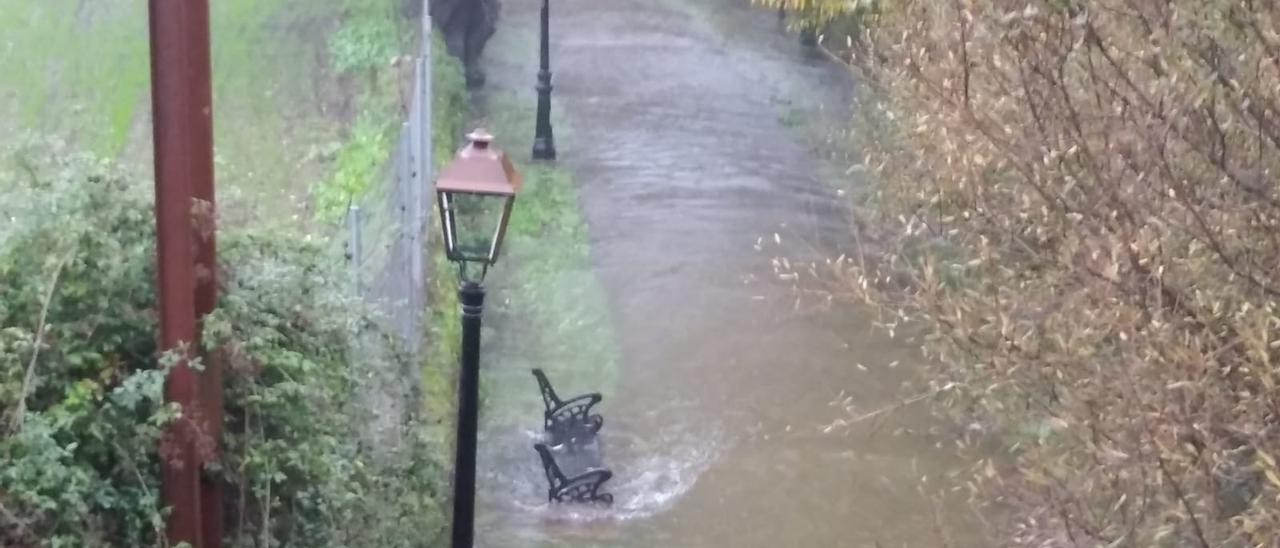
x=477, y=219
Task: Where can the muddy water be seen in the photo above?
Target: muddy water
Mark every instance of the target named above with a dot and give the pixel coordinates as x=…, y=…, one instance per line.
x=686, y=128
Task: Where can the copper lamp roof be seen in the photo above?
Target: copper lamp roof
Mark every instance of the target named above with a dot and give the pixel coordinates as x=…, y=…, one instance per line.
x=480, y=168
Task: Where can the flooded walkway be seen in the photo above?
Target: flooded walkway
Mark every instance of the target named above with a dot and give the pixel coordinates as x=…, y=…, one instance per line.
x=681, y=131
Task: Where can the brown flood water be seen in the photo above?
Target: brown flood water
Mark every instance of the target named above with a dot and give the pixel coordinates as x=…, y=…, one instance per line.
x=677, y=117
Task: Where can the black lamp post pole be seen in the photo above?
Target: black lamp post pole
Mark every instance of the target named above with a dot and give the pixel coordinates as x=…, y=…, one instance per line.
x=544, y=143
x=471, y=297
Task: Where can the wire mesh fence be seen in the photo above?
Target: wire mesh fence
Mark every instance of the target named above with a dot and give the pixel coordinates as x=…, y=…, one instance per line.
x=386, y=247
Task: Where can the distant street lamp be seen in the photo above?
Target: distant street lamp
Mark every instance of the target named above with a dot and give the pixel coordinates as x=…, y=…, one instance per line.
x=544, y=143
x=475, y=193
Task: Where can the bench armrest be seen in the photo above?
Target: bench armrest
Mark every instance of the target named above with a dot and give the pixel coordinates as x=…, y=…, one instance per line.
x=584, y=488
x=573, y=412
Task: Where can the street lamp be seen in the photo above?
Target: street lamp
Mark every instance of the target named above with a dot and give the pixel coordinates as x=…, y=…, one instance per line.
x=544, y=143
x=475, y=193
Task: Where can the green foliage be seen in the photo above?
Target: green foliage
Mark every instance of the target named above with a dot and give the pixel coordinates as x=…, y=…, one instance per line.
x=78, y=436
x=358, y=164
x=449, y=101
x=79, y=70
x=440, y=366
x=444, y=329
x=369, y=40
x=820, y=13
x=360, y=161
x=75, y=74
x=290, y=334
x=364, y=42
x=80, y=385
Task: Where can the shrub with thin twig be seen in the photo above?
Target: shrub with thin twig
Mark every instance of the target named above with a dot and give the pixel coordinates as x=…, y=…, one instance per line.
x=1079, y=200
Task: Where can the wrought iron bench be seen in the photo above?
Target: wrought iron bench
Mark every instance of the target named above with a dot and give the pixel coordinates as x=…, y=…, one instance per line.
x=584, y=485
x=568, y=421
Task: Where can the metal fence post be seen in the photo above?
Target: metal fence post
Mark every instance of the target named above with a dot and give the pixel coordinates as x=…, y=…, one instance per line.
x=355, y=248
x=425, y=149
x=417, y=178
x=402, y=260
x=425, y=113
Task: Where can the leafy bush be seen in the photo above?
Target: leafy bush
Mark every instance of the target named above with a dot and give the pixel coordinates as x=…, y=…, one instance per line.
x=368, y=41
x=439, y=369
x=820, y=14
x=80, y=383
x=358, y=164
x=449, y=100
x=304, y=478
x=363, y=43
x=383, y=101
x=80, y=390
x=1082, y=203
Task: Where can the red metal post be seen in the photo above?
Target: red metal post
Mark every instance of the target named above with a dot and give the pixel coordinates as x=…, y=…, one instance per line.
x=200, y=109
x=178, y=171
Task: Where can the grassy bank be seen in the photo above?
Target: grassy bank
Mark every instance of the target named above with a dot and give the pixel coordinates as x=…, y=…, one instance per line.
x=444, y=331
x=285, y=109
x=74, y=71
x=546, y=307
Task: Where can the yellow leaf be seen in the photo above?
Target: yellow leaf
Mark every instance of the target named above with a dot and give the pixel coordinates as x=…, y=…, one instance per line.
x=1271, y=462
x=1271, y=475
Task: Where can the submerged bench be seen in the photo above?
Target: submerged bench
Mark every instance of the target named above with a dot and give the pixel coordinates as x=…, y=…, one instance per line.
x=571, y=455
x=567, y=421
x=582, y=483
